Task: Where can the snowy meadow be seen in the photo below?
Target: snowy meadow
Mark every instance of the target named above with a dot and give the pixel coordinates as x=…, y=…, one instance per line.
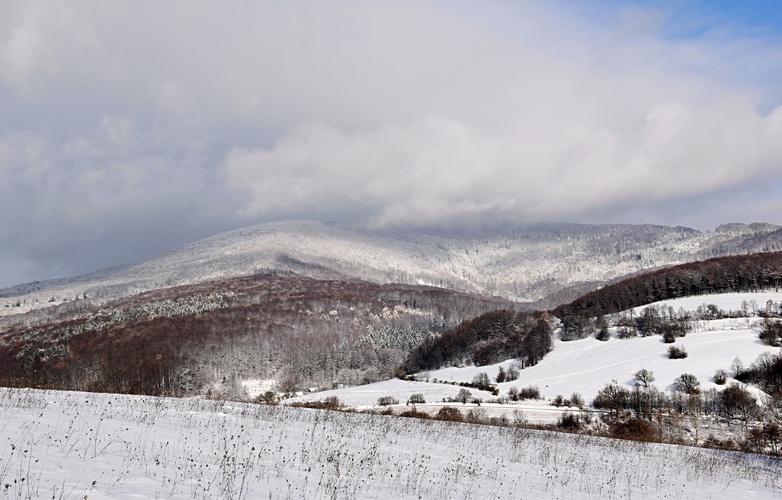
x=83, y=445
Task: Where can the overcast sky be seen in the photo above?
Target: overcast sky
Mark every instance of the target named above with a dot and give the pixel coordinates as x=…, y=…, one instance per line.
x=130, y=128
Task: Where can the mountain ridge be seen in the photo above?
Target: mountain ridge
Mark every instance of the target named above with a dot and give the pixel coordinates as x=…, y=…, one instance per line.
x=517, y=262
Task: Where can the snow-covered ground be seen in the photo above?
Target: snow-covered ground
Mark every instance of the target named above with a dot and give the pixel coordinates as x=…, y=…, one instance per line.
x=725, y=301
x=77, y=445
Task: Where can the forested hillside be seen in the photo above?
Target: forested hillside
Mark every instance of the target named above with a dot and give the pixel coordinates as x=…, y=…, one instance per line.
x=207, y=337
x=740, y=273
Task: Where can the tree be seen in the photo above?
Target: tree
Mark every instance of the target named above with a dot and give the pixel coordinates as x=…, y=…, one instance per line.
x=612, y=397
x=643, y=377
x=737, y=402
x=736, y=367
x=387, y=401
x=463, y=395
x=501, y=375
x=481, y=380
x=601, y=325
x=771, y=333
x=687, y=383
x=720, y=377
x=415, y=399
x=677, y=352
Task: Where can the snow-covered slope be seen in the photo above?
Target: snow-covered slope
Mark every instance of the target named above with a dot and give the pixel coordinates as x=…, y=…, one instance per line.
x=520, y=263
x=99, y=446
x=586, y=366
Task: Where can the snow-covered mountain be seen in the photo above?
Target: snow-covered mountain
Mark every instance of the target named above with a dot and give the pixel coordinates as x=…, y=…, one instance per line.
x=524, y=263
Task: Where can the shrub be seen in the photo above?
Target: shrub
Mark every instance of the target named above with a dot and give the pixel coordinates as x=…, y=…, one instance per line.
x=332, y=403
x=636, y=429
x=501, y=375
x=450, y=414
x=413, y=413
x=416, y=399
x=268, y=398
x=677, y=352
x=557, y=401
x=577, y=400
x=669, y=338
x=387, y=401
x=720, y=377
x=569, y=422
x=531, y=392
x=513, y=393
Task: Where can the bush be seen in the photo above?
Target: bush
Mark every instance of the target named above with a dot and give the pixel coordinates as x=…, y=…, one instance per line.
x=268, y=398
x=569, y=422
x=558, y=401
x=677, y=352
x=501, y=375
x=387, y=401
x=669, y=338
x=450, y=414
x=577, y=400
x=636, y=429
x=413, y=413
x=720, y=377
x=416, y=399
x=531, y=392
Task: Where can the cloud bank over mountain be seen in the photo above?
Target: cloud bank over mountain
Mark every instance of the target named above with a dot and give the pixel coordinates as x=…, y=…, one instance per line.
x=128, y=130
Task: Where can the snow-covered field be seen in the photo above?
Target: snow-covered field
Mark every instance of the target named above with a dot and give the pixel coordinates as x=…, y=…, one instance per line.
x=76, y=445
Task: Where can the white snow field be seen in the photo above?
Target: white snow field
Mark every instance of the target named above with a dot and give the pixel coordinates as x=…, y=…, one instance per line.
x=80, y=445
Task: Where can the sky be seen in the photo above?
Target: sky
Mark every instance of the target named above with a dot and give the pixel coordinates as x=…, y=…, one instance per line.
x=128, y=129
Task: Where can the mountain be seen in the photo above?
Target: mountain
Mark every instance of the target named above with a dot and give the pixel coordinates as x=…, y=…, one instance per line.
x=552, y=263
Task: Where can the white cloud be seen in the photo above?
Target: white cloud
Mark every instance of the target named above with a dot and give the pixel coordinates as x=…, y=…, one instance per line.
x=123, y=114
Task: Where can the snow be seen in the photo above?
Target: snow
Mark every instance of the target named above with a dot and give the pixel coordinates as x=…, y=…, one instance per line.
x=99, y=446
x=725, y=301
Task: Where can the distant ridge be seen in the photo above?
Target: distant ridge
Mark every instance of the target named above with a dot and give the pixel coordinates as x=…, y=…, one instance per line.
x=551, y=262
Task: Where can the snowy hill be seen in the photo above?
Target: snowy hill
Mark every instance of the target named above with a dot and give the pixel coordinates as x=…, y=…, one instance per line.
x=585, y=366
x=524, y=263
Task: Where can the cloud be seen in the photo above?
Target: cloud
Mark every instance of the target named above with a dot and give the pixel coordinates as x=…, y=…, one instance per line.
x=124, y=133
x=439, y=169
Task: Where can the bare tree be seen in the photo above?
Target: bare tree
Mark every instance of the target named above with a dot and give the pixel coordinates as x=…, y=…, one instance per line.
x=643, y=377
x=687, y=383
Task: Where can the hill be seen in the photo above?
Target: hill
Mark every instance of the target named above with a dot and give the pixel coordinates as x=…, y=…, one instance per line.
x=550, y=262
